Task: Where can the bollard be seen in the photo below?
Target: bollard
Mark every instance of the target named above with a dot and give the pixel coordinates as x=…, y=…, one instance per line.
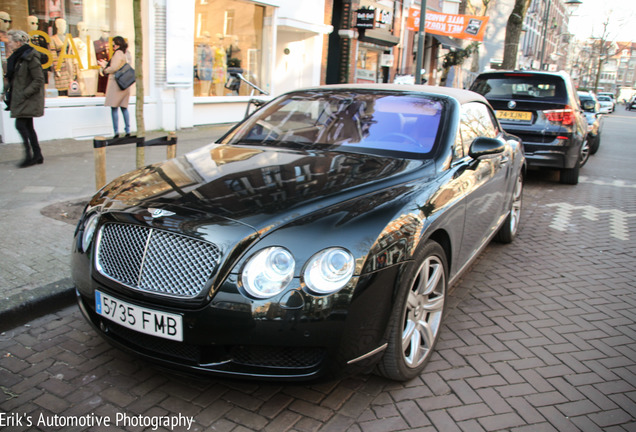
x=99, y=151
x=171, y=148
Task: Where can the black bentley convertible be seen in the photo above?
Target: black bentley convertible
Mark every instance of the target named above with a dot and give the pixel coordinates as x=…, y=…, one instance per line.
x=319, y=235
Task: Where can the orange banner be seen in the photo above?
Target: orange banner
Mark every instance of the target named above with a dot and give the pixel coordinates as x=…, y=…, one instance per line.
x=469, y=27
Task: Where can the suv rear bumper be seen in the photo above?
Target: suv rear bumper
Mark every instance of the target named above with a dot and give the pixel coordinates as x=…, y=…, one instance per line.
x=559, y=154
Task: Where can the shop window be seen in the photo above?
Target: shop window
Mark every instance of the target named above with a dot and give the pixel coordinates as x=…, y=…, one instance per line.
x=71, y=35
x=225, y=45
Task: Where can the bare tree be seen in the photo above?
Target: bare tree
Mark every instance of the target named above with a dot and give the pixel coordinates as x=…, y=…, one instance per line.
x=513, y=33
x=139, y=78
x=603, y=51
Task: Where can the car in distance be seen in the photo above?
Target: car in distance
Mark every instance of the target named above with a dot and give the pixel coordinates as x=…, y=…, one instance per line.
x=606, y=104
x=542, y=109
x=590, y=106
x=611, y=96
x=320, y=235
x=631, y=104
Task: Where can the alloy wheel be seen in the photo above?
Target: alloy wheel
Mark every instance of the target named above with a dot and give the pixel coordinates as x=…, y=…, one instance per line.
x=424, y=310
x=515, y=211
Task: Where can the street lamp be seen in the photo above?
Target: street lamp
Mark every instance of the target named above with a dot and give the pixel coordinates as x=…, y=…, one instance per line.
x=572, y=4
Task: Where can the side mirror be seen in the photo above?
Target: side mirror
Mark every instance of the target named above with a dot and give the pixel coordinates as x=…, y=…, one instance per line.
x=483, y=146
x=589, y=105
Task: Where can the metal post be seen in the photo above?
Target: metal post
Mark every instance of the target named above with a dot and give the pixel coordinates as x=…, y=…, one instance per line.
x=546, y=17
x=420, y=44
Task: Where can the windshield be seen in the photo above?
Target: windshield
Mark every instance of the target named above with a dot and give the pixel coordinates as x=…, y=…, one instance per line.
x=365, y=121
x=522, y=86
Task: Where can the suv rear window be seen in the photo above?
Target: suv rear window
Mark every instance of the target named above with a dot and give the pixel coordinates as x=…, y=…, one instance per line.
x=522, y=86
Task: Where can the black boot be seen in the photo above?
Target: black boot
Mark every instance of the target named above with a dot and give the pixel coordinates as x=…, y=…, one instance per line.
x=37, y=159
x=27, y=163
x=28, y=159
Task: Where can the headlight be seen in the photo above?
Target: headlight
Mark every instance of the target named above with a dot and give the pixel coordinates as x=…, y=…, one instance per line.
x=329, y=270
x=268, y=272
x=89, y=231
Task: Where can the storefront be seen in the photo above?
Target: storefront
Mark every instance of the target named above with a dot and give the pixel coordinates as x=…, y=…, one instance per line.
x=376, y=41
x=190, y=48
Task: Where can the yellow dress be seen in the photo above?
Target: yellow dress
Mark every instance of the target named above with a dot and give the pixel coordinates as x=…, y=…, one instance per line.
x=219, y=66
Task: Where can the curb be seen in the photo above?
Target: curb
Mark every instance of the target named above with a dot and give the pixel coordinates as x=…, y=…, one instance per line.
x=22, y=308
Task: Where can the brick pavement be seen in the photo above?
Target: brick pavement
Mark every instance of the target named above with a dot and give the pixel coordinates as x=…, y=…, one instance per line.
x=540, y=336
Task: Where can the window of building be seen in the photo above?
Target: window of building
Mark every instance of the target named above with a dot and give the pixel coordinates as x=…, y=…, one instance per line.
x=71, y=36
x=229, y=38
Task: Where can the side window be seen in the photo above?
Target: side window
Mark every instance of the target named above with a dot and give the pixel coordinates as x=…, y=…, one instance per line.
x=477, y=121
x=458, y=147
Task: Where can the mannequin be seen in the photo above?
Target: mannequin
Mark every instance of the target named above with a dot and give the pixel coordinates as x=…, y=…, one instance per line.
x=62, y=70
x=33, y=24
x=219, y=65
x=5, y=24
x=87, y=77
x=101, y=53
x=204, y=64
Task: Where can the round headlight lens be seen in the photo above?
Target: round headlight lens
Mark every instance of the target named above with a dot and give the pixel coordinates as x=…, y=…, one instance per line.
x=268, y=272
x=89, y=231
x=329, y=270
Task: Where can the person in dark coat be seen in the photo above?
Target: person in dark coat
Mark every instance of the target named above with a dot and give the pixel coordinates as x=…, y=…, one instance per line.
x=24, y=93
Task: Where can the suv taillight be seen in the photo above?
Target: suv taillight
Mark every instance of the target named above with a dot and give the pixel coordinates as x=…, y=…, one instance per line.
x=564, y=116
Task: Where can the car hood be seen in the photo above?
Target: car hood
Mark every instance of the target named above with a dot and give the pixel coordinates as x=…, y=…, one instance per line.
x=256, y=187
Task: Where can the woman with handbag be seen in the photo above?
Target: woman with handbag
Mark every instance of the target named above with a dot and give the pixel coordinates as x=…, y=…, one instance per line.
x=24, y=93
x=115, y=96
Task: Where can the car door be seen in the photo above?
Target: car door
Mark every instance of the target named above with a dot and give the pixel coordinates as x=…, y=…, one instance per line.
x=484, y=178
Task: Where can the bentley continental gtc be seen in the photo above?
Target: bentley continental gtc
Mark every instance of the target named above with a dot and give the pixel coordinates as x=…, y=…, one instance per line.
x=320, y=235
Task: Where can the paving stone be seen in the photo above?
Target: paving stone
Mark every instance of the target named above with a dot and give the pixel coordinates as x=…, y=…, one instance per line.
x=539, y=337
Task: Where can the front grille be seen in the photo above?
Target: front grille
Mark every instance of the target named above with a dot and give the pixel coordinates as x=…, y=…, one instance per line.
x=155, y=261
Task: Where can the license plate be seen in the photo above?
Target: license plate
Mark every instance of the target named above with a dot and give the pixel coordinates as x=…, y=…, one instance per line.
x=514, y=115
x=161, y=324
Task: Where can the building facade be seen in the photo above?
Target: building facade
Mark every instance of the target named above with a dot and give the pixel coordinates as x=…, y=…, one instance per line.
x=190, y=47
x=545, y=41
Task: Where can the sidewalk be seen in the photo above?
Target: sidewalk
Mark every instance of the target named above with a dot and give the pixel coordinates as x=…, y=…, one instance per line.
x=39, y=207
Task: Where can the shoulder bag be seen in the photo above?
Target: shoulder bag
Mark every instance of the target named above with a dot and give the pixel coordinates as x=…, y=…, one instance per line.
x=125, y=76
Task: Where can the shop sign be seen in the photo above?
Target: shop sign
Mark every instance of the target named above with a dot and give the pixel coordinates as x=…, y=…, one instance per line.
x=68, y=51
x=468, y=27
x=365, y=76
x=386, y=60
x=365, y=18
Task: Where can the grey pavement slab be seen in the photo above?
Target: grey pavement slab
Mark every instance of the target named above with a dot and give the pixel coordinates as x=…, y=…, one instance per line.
x=36, y=221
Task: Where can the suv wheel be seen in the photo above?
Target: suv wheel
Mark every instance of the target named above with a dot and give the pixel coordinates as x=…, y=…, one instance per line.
x=570, y=176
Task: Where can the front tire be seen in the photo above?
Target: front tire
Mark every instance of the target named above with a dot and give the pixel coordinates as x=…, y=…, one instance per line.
x=417, y=316
x=597, y=143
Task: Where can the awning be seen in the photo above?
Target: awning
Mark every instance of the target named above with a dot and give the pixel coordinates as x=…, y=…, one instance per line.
x=294, y=25
x=378, y=37
x=447, y=42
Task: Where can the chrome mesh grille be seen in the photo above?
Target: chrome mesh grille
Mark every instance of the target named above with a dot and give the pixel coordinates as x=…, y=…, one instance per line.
x=155, y=261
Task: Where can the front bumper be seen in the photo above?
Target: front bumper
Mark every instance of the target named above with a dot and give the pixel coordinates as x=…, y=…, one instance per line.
x=239, y=337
